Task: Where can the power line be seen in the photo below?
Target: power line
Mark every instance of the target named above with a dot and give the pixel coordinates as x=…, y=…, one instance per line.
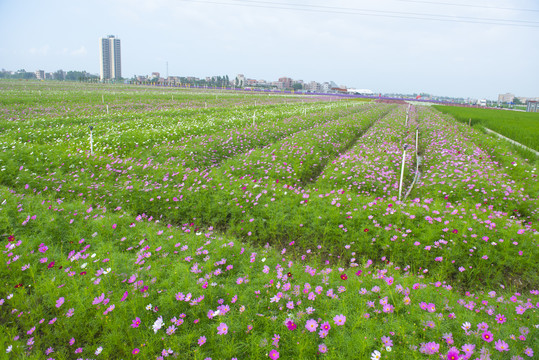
x=382, y=11
x=367, y=12
x=467, y=5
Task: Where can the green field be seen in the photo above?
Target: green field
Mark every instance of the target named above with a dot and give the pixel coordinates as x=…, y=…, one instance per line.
x=210, y=224
x=522, y=127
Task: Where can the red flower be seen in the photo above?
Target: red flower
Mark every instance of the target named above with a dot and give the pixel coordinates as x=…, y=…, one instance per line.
x=18, y=286
x=344, y=276
x=11, y=238
x=289, y=274
x=366, y=230
x=83, y=273
x=455, y=231
x=50, y=265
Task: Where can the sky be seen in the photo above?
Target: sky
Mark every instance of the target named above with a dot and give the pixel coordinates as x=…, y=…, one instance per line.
x=456, y=48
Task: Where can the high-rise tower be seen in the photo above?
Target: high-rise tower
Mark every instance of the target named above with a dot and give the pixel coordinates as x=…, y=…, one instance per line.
x=110, y=59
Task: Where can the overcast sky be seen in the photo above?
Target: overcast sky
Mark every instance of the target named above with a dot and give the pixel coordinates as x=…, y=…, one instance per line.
x=372, y=44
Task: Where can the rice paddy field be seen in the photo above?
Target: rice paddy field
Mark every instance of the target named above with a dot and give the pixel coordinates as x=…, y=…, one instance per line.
x=146, y=223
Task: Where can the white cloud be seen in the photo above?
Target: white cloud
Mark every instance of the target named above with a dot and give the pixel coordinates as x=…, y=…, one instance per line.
x=79, y=52
x=41, y=51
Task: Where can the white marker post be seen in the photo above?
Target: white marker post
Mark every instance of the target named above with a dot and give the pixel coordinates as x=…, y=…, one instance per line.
x=103, y=99
x=402, y=171
x=254, y=117
x=107, y=109
x=91, y=141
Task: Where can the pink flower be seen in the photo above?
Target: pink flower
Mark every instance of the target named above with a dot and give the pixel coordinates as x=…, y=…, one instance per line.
x=501, y=345
x=273, y=354
x=322, y=348
x=222, y=329
x=500, y=319
x=59, y=302
x=125, y=296
x=201, y=340
x=98, y=299
x=136, y=351
x=339, y=320
x=311, y=325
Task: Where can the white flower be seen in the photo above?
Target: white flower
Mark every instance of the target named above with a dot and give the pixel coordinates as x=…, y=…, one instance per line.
x=9, y=296
x=8, y=350
x=98, y=351
x=83, y=265
x=149, y=307
x=388, y=348
x=106, y=271
x=157, y=324
x=375, y=355
x=263, y=259
x=93, y=255
x=217, y=313
x=466, y=326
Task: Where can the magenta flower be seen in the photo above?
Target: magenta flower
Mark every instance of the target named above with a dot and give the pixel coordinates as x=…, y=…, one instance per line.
x=59, y=302
x=125, y=296
x=222, y=329
x=322, y=348
x=500, y=319
x=339, y=320
x=453, y=355
x=273, y=354
x=201, y=340
x=311, y=325
x=501, y=345
x=72, y=341
x=487, y=336
x=135, y=323
x=326, y=326
x=136, y=351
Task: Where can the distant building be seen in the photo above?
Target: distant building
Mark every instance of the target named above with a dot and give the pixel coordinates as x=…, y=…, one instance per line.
x=240, y=80
x=506, y=98
x=286, y=82
x=313, y=86
x=110, y=58
x=40, y=74
x=532, y=106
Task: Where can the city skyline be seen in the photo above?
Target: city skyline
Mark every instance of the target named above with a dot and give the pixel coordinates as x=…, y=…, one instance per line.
x=379, y=48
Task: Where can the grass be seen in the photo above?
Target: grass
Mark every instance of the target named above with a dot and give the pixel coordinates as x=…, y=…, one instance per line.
x=283, y=226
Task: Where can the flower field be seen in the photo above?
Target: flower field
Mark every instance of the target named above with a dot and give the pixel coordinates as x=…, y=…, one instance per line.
x=522, y=127
x=227, y=225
